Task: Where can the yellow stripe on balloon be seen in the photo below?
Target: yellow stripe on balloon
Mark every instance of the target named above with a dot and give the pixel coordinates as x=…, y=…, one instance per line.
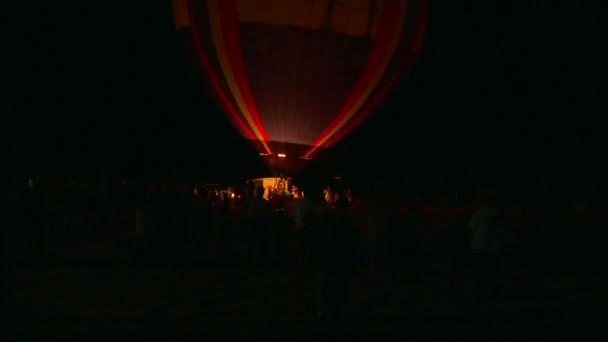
x=220, y=50
x=372, y=85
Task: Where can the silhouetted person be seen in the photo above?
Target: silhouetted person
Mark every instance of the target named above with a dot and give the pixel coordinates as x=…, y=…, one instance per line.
x=140, y=213
x=303, y=214
x=69, y=215
x=347, y=253
x=278, y=236
x=330, y=196
x=324, y=258
x=259, y=212
x=378, y=215
x=407, y=240
x=250, y=190
x=18, y=208
x=170, y=223
x=225, y=229
x=202, y=220
x=454, y=251
x=488, y=227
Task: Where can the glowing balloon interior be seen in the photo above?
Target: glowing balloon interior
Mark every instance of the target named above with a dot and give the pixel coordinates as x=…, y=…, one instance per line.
x=296, y=76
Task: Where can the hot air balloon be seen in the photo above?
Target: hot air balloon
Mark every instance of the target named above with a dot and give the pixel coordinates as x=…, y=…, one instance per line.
x=296, y=76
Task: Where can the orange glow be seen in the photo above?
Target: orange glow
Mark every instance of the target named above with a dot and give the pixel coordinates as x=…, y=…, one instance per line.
x=281, y=155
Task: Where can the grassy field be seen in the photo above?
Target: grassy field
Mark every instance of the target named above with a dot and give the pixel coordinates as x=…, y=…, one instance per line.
x=112, y=297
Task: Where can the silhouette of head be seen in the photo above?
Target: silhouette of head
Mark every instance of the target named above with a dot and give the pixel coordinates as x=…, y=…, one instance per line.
x=260, y=192
x=297, y=190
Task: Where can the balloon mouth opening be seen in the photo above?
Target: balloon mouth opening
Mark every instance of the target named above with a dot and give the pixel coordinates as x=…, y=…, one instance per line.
x=282, y=156
x=284, y=164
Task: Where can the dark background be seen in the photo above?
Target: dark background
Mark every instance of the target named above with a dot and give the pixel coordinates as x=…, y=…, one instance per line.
x=501, y=91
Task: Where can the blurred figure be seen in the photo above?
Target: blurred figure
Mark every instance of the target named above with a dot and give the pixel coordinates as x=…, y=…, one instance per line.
x=226, y=230
x=303, y=214
x=139, y=225
x=70, y=213
x=324, y=258
x=330, y=196
x=249, y=190
x=454, y=251
x=488, y=227
x=202, y=221
x=346, y=246
x=348, y=195
x=334, y=256
x=295, y=192
x=278, y=236
x=259, y=213
x=378, y=219
x=407, y=240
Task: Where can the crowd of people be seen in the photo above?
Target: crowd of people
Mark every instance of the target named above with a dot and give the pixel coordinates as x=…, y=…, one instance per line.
x=324, y=233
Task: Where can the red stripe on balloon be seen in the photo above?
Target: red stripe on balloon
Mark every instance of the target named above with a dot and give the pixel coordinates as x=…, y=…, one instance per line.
x=386, y=28
x=232, y=42
x=406, y=58
x=211, y=73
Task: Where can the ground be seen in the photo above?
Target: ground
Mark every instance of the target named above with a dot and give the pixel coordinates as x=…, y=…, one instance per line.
x=84, y=294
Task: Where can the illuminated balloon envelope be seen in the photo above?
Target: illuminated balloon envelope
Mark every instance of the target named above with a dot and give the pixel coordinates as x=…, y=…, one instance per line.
x=295, y=76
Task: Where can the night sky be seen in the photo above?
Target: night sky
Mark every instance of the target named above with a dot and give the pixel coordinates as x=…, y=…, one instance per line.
x=511, y=89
